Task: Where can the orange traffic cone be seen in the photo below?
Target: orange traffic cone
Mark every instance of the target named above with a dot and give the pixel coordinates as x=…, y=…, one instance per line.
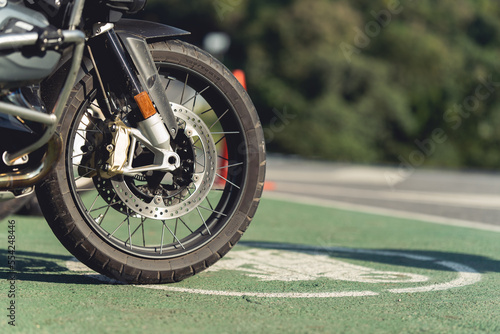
x=240, y=75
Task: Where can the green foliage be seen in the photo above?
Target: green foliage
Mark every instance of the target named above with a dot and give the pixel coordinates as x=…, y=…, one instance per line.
x=363, y=79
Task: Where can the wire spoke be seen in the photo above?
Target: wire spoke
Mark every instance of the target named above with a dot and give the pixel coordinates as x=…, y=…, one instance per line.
x=219, y=119
x=231, y=183
x=229, y=166
x=203, y=220
x=220, y=213
x=78, y=155
x=83, y=138
x=95, y=126
x=129, y=235
x=106, y=212
x=182, y=221
x=168, y=83
x=210, y=204
x=175, y=229
x=196, y=142
x=84, y=175
x=227, y=133
x=194, y=102
x=104, y=215
x=223, y=158
x=143, y=219
x=110, y=235
x=106, y=206
x=175, y=237
x=134, y=232
x=203, y=113
x=218, y=141
x=162, y=234
x=195, y=96
x=93, y=203
x=92, y=169
x=184, y=89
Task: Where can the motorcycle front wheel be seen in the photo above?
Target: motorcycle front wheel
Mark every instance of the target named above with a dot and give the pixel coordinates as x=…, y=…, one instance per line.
x=152, y=228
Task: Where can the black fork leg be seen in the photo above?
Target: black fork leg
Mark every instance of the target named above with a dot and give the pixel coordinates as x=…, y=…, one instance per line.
x=148, y=79
x=121, y=56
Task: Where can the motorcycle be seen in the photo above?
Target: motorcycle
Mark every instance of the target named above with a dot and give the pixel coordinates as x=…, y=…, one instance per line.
x=146, y=154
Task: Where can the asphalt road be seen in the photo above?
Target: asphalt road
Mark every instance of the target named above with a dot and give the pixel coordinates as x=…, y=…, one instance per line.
x=462, y=198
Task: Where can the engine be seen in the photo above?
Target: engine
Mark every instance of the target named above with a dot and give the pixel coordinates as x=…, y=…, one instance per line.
x=23, y=66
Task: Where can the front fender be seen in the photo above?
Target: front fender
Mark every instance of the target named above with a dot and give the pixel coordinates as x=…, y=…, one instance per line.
x=148, y=30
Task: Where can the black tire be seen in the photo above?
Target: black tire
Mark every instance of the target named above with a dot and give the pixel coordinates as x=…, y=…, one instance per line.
x=221, y=226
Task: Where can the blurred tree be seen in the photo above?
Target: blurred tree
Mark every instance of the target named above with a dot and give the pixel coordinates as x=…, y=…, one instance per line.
x=363, y=80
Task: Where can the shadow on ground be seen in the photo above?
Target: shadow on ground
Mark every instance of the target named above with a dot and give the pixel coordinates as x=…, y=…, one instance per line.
x=400, y=257
x=41, y=267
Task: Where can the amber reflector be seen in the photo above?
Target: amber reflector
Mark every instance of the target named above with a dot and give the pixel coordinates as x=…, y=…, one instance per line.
x=145, y=105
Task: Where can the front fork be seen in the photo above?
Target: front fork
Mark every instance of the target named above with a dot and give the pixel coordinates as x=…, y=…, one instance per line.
x=147, y=85
x=156, y=128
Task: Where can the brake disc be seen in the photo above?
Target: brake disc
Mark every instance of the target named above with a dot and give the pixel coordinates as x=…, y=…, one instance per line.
x=169, y=202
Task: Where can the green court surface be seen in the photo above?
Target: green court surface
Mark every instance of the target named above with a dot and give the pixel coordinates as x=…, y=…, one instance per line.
x=298, y=269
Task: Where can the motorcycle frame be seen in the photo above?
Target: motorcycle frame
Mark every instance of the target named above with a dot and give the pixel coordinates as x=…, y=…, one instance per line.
x=71, y=36
x=133, y=34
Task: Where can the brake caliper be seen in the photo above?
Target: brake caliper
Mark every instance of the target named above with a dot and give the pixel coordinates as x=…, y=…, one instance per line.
x=118, y=150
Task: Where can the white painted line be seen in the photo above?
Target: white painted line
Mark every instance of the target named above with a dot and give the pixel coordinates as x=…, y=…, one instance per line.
x=297, y=264
x=264, y=294
x=466, y=276
x=289, y=262
x=435, y=198
x=302, y=199
x=321, y=172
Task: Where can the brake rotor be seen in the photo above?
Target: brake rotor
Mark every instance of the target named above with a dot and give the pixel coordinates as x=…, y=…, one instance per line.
x=176, y=198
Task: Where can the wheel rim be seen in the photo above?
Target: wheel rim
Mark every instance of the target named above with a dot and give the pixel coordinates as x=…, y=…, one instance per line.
x=173, y=233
